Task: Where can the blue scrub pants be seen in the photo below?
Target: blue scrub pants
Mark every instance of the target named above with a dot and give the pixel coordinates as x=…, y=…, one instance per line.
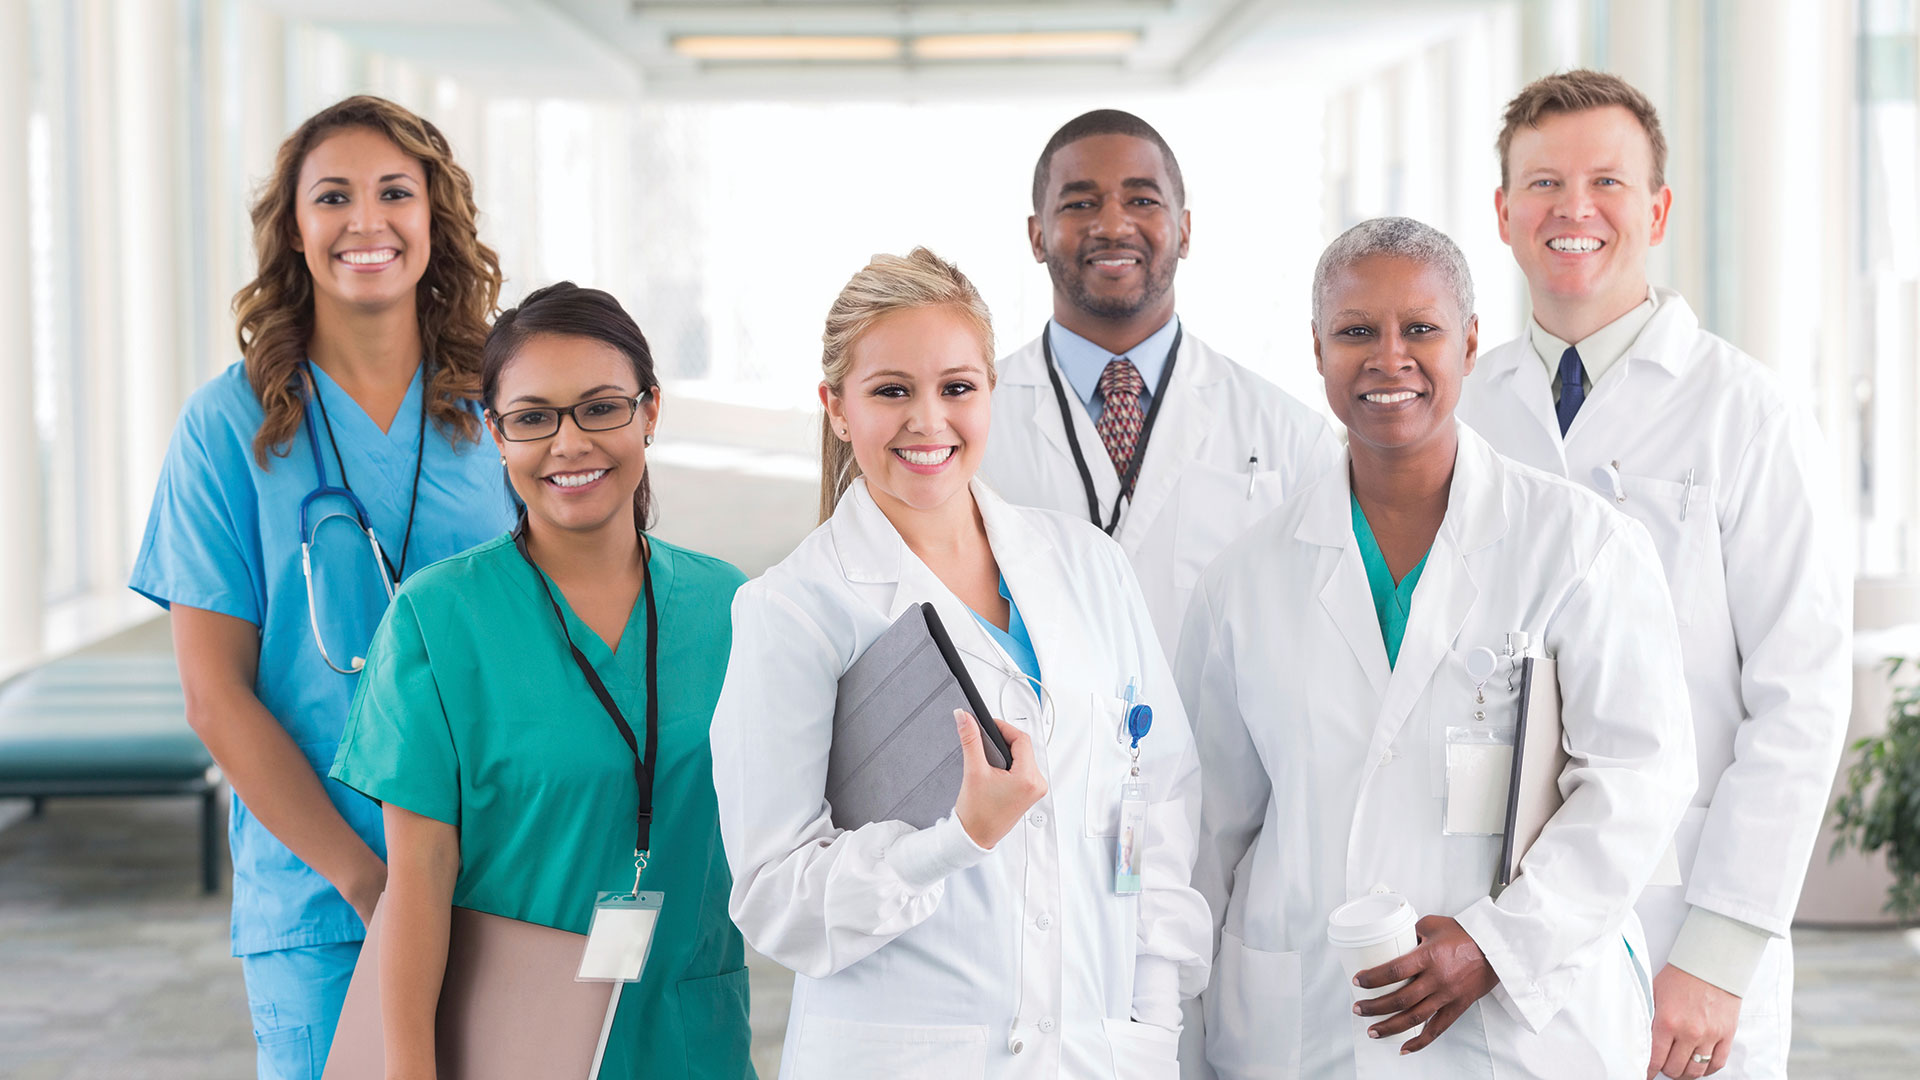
x=295, y=997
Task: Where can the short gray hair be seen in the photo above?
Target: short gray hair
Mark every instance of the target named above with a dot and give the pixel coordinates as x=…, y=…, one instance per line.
x=1400, y=237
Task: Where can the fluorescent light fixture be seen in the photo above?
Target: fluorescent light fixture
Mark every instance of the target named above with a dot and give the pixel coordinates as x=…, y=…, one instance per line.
x=774, y=47
x=1025, y=46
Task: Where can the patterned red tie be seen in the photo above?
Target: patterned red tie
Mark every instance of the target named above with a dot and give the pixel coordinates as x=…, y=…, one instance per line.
x=1120, y=415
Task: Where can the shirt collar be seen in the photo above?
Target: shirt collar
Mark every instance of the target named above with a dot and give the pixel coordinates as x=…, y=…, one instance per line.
x=1081, y=361
x=1602, y=349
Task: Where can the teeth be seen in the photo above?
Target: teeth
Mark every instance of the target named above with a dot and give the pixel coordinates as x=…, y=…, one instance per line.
x=1115, y=262
x=574, y=480
x=1574, y=244
x=1394, y=398
x=925, y=457
x=369, y=258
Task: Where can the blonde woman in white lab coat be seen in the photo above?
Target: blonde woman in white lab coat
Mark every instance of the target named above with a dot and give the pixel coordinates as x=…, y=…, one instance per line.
x=1325, y=658
x=992, y=943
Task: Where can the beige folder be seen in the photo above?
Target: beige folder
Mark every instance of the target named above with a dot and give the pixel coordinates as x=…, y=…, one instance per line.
x=509, y=1007
x=1539, y=757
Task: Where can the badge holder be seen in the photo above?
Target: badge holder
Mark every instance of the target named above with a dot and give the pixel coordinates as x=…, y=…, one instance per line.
x=618, y=941
x=1130, y=846
x=1479, y=762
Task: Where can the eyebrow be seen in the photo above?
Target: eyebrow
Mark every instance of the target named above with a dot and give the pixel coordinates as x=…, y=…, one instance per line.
x=961, y=369
x=1073, y=187
x=585, y=395
x=342, y=181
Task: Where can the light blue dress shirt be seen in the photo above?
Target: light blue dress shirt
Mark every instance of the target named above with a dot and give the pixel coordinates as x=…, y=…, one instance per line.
x=224, y=535
x=1082, y=362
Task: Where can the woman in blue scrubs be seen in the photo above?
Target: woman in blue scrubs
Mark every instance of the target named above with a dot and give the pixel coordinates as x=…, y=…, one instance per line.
x=301, y=486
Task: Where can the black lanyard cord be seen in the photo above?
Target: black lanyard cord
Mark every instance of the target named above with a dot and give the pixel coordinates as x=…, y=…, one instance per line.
x=642, y=763
x=413, y=500
x=1132, y=475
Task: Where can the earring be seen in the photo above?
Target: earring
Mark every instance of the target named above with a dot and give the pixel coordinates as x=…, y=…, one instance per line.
x=649, y=439
x=503, y=460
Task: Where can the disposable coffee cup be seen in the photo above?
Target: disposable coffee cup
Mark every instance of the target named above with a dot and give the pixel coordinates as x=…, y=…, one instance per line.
x=1368, y=932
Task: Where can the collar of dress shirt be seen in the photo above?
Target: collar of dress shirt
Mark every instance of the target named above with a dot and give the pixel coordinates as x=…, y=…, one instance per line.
x=1081, y=361
x=1601, y=350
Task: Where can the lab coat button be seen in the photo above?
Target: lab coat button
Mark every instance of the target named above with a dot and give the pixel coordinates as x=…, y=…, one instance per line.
x=1015, y=1044
x=1037, y=819
x=1047, y=1024
x=1044, y=922
x=1386, y=757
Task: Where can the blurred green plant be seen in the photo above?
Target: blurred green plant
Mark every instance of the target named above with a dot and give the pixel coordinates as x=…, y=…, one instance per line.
x=1880, y=807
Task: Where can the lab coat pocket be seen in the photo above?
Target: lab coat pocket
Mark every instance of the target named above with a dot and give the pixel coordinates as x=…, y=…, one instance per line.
x=713, y=1022
x=831, y=1049
x=1109, y=764
x=1216, y=506
x=1142, y=1051
x=1681, y=518
x=1252, y=1013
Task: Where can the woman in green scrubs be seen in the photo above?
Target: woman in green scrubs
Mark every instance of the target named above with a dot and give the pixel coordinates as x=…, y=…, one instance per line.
x=509, y=786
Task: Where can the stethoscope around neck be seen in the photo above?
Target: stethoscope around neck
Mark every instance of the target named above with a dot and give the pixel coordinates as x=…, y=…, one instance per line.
x=310, y=525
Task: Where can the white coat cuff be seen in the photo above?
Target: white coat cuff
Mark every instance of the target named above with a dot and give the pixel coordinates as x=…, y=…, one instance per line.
x=1716, y=949
x=1522, y=998
x=923, y=858
x=1156, y=991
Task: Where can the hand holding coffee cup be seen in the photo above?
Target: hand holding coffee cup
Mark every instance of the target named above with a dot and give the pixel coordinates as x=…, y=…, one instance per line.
x=1432, y=985
x=1371, y=931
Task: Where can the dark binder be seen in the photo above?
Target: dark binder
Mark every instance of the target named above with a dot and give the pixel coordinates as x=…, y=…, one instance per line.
x=894, y=755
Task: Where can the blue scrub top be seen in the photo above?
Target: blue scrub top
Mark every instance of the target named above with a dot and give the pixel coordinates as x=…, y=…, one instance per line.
x=224, y=535
x=1014, y=638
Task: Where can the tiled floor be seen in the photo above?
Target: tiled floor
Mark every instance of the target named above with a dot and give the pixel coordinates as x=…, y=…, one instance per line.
x=112, y=966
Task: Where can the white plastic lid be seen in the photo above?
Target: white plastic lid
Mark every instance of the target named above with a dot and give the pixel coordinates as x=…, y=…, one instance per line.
x=1369, y=920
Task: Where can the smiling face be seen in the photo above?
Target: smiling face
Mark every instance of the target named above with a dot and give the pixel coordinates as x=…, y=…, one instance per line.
x=1580, y=212
x=1109, y=231
x=1393, y=349
x=363, y=218
x=573, y=480
x=915, y=405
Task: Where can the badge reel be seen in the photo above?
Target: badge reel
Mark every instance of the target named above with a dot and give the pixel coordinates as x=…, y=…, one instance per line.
x=1130, y=845
x=1479, y=760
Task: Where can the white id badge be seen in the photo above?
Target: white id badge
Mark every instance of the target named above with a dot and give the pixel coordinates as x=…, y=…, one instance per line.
x=1131, y=845
x=620, y=936
x=1479, y=771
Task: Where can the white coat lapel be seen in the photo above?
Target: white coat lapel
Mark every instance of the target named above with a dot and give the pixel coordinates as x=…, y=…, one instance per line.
x=870, y=549
x=1031, y=567
x=1185, y=418
x=1343, y=591
x=1476, y=517
x=1524, y=378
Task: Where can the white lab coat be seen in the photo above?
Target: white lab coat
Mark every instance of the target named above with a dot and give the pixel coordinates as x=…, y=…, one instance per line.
x=1325, y=776
x=1196, y=491
x=918, y=953
x=1762, y=589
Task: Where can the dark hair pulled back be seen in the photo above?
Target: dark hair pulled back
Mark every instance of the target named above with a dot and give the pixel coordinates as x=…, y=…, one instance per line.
x=568, y=310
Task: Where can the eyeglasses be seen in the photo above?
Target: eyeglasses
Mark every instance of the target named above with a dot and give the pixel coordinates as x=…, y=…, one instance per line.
x=543, y=422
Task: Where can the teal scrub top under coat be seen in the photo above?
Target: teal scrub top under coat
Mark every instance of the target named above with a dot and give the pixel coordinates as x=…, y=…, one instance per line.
x=224, y=535
x=471, y=711
x=1392, y=603
x=1014, y=638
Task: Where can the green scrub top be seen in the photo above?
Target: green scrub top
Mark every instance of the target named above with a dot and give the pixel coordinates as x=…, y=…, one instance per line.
x=471, y=711
x=1392, y=604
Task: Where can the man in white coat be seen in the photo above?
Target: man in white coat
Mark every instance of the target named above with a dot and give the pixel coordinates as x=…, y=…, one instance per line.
x=1330, y=668
x=1616, y=386
x=1116, y=413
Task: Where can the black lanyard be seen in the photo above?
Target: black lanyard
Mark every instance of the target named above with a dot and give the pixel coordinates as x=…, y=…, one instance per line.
x=1132, y=475
x=642, y=763
x=419, y=455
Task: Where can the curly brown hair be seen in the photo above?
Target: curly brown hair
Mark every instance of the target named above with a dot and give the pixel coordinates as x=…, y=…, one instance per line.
x=457, y=294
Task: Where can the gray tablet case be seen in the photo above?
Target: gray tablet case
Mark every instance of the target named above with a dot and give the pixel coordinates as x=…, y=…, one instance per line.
x=895, y=756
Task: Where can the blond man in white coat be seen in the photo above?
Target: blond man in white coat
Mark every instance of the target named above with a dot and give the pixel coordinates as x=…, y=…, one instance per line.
x=1117, y=413
x=1615, y=386
x=993, y=943
x=1325, y=660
